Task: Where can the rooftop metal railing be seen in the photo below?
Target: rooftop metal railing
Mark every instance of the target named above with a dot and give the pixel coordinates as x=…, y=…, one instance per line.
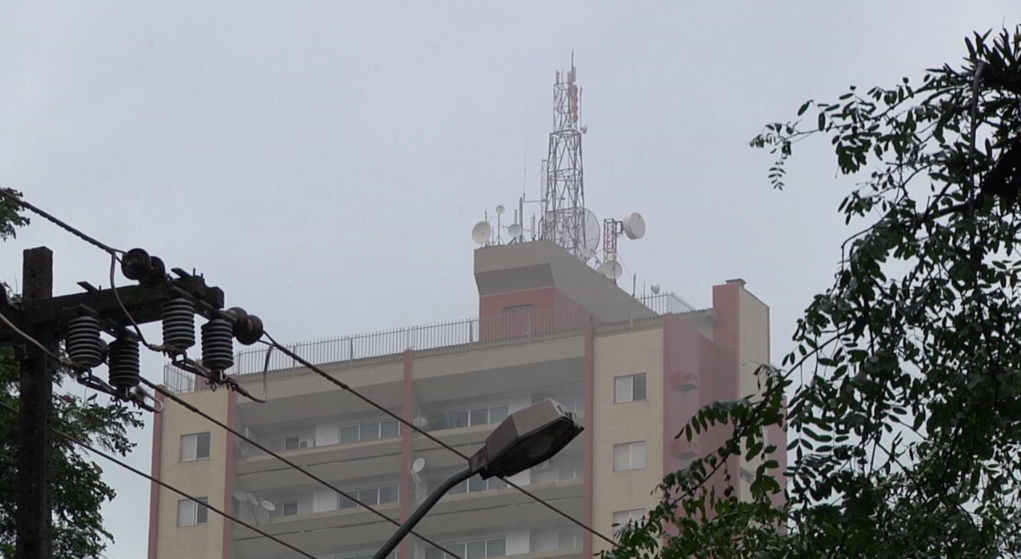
x=466, y=334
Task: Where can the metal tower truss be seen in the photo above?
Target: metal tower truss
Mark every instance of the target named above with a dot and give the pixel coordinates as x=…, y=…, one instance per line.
x=563, y=201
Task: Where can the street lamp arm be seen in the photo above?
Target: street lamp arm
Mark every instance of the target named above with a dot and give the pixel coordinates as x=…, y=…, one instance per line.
x=422, y=509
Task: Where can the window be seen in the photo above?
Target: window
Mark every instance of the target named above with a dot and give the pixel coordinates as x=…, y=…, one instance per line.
x=393, y=555
x=624, y=517
x=371, y=496
x=194, y=447
x=370, y=431
x=290, y=509
x=630, y=388
x=478, y=549
x=475, y=484
x=629, y=456
x=465, y=418
x=291, y=443
x=191, y=512
x=566, y=540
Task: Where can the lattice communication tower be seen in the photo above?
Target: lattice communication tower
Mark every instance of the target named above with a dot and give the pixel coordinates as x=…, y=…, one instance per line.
x=563, y=198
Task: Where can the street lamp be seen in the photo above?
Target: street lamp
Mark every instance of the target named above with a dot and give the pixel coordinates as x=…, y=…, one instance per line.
x=525, y=438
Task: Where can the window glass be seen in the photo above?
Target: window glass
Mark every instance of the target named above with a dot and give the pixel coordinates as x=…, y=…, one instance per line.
x=623, y=389
x=349, y=434
x=388, y=494
x=369, y=496
x=639, y=387
x=456, y=548
x=637, y=455
x=476, y=550
x=621, y=457
x=567, y=540
x=291, y=443
x=389, y=429
x=458, y=419
x=185, y=513
x=496, y=547
x=476, y=483
x=290, y=509
x=459, y=488
x=187, y=448
x=480, y=417
x=497, y=414
x=347, y=502
x=433, y=553
x=497, y=483
x=369, y=431
x=202, y=445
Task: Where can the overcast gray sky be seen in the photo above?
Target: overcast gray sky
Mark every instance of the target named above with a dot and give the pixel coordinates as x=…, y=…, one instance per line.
x=324, y=162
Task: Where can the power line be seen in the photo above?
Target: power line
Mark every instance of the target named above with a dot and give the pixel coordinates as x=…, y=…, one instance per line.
x=312, y=476
x=92, y=241
x=113, y=252
x=162, y=483
x=347, y=387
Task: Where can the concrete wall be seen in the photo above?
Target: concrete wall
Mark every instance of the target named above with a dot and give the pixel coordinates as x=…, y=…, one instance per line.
x=616, y=355
x=205, y=477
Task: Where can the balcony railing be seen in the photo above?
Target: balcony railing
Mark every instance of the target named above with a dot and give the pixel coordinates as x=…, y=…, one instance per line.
x=459, y=335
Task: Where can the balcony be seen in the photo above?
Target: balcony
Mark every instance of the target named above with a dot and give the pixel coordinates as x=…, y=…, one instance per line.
x=685, y=382
x=318, y=532
x=338, y=461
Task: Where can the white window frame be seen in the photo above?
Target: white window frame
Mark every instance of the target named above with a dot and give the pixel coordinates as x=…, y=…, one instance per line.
x=629, y=456
x=192, y=513
x=624, y=517
x=486, y=541
x=190, y=447
x=624, y=388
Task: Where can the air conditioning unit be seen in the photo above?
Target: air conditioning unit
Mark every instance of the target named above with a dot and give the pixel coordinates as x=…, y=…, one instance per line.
x=686, y=382
x=306, y=443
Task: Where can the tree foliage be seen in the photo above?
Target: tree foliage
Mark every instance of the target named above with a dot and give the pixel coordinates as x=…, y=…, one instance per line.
x=905, y=421
x=78, y=489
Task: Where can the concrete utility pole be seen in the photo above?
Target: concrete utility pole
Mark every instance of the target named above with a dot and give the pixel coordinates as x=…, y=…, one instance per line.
x=46, y=318
x=35, y=444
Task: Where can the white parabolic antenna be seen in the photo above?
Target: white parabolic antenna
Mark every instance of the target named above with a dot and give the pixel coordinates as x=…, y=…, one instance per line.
x=654, y=288
x=420, y=422
x=634, y=226
x=611, y=269
x=481, y=232
x=269, y=506
x=241, y=496
x=418, y=465
x=252, y=499
x=515, y=230
x=500, y=210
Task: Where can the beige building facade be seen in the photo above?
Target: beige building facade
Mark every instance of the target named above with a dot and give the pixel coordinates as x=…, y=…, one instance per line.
x=634, y=371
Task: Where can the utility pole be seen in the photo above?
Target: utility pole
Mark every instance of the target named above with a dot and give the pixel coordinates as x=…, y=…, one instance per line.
x=35, y=451
x=46, y=319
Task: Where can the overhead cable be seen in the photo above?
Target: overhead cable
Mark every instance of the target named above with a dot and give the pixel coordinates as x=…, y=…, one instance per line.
x=290, y=463
x=366, y=399
x=162, y=483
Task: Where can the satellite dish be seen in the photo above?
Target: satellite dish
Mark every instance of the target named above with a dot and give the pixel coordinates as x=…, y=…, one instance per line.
x=551, y=216
x=634, y=226
x=241, y=496
x=611, y=269
x=591, y=231
x=515, y=230
x=584, y=128
x=481, y=232
x=269, y=506
x=500, y=210
x=420, y=422
x=418, y=465
x=654, y=288
x=252, y=499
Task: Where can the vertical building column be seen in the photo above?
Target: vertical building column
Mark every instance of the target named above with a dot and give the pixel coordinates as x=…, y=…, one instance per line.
x=668, y=396
x=590, y=368
x=154, y=490
x=406, y=412
x=228, y=481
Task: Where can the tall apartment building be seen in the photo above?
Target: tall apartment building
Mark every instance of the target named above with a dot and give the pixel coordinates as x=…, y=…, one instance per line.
x=633, y=370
